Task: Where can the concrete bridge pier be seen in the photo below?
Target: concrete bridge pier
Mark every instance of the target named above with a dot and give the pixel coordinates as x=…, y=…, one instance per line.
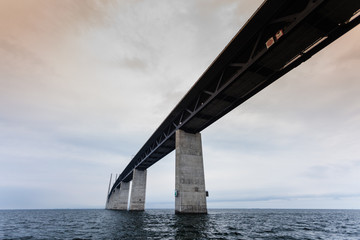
x=190, y=193
x=113, y=200
x=138, y=191
x=109, y=202
x=119, y=198
x=124, y=196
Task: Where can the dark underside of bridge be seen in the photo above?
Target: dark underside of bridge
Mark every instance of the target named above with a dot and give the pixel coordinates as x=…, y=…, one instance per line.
x=277, y=38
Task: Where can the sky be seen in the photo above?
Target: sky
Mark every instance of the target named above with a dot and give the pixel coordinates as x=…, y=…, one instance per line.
x=84, y=84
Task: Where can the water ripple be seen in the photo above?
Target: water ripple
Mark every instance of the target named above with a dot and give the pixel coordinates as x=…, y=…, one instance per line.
x=164, y=224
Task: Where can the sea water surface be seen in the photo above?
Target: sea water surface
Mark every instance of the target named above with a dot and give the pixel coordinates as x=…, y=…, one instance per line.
x=164, y=224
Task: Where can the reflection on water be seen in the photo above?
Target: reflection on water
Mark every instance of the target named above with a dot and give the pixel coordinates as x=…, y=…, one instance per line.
x=162, y=224
x=190, y=226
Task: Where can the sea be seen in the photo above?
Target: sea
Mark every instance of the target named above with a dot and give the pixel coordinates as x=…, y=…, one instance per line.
x=164, y=224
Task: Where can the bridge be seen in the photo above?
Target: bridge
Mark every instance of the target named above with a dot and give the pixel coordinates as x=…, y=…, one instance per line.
x=278, y=37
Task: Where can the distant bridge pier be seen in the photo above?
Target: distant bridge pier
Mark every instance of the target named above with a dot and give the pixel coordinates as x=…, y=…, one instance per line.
x=190, y=193
x=138, y=190
x=114, y=199
x=124, y=196
x=119, y=198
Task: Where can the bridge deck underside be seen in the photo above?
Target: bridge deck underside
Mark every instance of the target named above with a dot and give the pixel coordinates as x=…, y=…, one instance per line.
x=279, y=36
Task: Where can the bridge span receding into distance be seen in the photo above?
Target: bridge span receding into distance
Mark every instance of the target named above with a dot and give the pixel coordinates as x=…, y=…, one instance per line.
x=278, y=37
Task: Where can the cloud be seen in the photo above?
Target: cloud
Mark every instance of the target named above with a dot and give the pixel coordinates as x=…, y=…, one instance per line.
x=134, y=63
x=290, y=197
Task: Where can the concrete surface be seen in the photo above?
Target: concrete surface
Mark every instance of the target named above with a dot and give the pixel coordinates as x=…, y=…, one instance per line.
x=189, y=174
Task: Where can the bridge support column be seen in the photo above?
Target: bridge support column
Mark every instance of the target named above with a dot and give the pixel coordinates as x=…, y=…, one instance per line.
x=138, y=191
x=190, y=194
x=119, y=198
x=113, y=200
x=108, y=203
x=124, y=196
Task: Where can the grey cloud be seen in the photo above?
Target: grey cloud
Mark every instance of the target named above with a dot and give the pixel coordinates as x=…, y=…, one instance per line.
x=134, y=63
x=15, y=56
x=289, y=197
x=333, y=171
x=34, y=14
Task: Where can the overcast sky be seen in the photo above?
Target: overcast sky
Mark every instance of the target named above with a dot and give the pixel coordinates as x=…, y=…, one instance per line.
x=83, y=85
